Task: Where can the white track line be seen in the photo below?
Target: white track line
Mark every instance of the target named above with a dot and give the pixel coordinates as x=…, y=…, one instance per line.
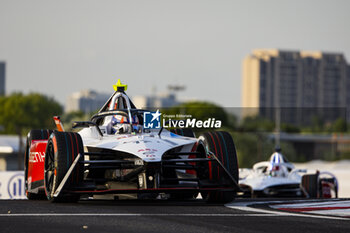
x=244, y=206
x=129, y=215
x=340, y=213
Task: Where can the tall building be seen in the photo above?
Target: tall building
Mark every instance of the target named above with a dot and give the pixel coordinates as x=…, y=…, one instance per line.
x=2, y=78
x=301, y=83
x=87, y=101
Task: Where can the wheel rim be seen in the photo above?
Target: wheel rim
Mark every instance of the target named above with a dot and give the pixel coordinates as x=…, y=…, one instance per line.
x=49, y=169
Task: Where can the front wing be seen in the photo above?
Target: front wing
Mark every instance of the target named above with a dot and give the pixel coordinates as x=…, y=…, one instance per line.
x=151, y=177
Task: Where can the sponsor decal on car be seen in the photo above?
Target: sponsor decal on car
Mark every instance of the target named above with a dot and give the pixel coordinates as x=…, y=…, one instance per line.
x=35, y=157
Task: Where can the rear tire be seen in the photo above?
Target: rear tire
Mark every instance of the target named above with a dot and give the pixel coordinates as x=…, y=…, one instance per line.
x=222, y=145
x=35, y=134
x=62, y=149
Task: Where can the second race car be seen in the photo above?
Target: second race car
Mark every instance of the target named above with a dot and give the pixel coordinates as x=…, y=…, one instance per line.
x=279, y=178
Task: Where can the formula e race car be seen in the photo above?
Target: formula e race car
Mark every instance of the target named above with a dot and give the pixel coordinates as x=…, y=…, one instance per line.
x=116, y=156
x=278, y=178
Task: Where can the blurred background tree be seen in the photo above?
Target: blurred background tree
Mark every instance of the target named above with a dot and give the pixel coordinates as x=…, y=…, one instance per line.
x=339, y=126
x=20, y=113
x=69, y=117
x=256, y=123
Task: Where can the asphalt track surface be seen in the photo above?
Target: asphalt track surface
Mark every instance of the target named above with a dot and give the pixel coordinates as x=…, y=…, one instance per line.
x=153, y=216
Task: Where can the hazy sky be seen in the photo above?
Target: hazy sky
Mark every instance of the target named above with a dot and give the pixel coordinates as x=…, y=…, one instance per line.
x=59, y=47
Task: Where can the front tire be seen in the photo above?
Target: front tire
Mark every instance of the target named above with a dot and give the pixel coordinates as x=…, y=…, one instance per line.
x=221, y=144
x=62, y=149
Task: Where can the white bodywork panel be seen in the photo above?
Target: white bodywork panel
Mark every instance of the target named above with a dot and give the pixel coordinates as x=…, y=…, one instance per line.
x=148, y=146
x=259, y=181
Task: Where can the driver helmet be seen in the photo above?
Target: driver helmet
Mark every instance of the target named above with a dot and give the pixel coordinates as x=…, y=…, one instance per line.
x=120, y=124
x=276, y=166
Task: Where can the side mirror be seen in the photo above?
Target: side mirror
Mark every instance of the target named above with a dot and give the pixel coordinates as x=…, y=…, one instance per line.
x=86, y=124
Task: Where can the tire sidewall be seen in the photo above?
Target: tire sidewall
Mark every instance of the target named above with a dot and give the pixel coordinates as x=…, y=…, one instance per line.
x=220, y=140
x=62, y=152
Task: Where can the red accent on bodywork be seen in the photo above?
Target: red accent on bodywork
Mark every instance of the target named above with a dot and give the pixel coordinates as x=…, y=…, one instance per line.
x=210, y=166
x=36, y=161
x=326, y=189
x=194, y=148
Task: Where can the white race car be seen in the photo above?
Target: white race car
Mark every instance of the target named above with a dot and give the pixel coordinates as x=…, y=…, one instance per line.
x=116, y=155
x=278, y=178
